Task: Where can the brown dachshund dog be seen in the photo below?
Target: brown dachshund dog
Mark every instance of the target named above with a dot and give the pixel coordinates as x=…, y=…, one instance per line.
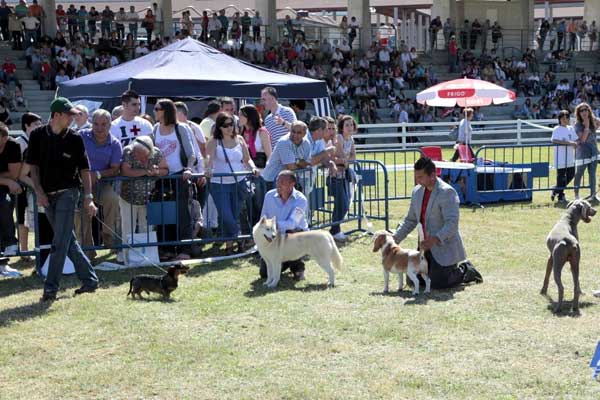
x=164, y=284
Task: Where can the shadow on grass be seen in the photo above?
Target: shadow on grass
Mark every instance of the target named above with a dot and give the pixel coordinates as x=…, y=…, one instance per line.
x=258, y=288
x=567, y=307
x=23, y=313
x=422, y=298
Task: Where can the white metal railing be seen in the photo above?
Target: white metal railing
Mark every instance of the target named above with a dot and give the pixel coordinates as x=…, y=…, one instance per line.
x=484, y=132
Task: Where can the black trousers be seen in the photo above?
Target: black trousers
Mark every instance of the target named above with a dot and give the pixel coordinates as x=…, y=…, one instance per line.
x=563, y=178
x=7, y=223
x=442, y=277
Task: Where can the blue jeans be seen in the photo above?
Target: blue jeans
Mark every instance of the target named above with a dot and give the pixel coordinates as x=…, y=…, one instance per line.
x=228, y=206
x=579, y=170
x=60, y=213
x=341, y=201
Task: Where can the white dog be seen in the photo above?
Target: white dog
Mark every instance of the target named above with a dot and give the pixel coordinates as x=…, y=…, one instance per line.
x=276, y=248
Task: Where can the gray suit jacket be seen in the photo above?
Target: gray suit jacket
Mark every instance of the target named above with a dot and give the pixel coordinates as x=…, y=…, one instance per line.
x=441, y=220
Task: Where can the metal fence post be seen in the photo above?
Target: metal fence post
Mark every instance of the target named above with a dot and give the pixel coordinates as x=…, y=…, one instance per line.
x=404, y=136
x=519, y=133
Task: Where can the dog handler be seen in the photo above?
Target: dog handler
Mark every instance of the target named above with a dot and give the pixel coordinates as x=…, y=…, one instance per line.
x=58, y=165
x=289, y=207
x=434, y=204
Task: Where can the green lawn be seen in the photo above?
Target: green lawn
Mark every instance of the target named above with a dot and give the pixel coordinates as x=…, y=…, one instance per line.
x=225, y=337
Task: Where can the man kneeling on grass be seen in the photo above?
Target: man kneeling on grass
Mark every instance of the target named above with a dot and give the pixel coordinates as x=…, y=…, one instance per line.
x=434, y=204
x=288, y=205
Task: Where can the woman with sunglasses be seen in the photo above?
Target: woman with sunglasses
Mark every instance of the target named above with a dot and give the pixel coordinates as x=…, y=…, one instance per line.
x=343, y=180
x=587, y=149
x=258, y=139
x=175, y=142
x=227, y=153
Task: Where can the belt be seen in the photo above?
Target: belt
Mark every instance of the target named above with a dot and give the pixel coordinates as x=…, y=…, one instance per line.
x=57, y=192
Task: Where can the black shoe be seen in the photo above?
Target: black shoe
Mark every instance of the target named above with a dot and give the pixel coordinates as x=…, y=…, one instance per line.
x=552, y=196
x=471, y=275
x=48, y=297
x=86, y=289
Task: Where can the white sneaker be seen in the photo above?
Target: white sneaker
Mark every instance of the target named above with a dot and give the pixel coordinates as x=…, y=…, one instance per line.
x=340, y=236
x=9, y=272
x=120, y=257
x=597, y=293
x=11, y=250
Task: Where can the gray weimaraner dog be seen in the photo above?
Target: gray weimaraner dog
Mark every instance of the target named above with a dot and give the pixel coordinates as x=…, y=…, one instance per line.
x=563, y=243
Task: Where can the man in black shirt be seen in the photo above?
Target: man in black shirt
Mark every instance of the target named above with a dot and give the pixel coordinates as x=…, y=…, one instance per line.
x=10, y=166
x=58, y=163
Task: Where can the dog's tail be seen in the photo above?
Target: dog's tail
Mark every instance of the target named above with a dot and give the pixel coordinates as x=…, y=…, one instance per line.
x=420, y=238
x=130, y=287
x=336, y=257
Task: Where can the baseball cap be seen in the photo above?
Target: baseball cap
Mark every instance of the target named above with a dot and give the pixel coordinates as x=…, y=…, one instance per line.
x=62, y=105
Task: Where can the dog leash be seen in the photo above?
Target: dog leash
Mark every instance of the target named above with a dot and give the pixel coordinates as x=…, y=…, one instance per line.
x=152, y=263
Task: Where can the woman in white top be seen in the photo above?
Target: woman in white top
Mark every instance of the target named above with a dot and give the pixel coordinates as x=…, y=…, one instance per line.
x=227, y=154
x=175, y=142
x=341, y=183
x=465, y=132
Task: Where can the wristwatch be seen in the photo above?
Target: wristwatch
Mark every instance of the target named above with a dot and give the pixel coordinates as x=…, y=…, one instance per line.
x=98, y=175
x=89, y=196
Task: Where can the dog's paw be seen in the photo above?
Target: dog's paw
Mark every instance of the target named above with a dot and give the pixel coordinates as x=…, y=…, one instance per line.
x=415, y=292
x=331, y=285
x=427, y=291
x=544, y=291
x=386, y=291
x=557, y=309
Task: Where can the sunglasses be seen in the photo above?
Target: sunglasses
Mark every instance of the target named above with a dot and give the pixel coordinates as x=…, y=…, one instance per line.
x=585, y=109
x=228, y=125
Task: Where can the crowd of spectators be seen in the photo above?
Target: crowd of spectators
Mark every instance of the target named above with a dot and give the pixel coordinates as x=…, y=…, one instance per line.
x=196, y=159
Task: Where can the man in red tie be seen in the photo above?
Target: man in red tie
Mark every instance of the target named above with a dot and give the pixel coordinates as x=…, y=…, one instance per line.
x=434, y=204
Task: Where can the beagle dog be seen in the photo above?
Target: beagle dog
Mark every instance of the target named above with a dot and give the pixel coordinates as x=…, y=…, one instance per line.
x=397, y=260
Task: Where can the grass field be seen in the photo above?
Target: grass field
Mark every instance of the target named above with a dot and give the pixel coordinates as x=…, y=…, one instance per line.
x=223, y=336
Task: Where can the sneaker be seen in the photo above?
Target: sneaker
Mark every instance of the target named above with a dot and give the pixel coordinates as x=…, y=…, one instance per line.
x=86, y=289
x=340, y=236
x=11, y=250
x=597, y=293
x=9, y=272
x=120, y=257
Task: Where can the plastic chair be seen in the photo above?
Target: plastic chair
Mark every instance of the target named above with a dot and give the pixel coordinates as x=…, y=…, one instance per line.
x=435, y=153
x=465, y=154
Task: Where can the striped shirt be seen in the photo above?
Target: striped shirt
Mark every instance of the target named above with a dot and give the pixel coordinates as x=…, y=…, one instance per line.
x=285, y=152
x=278, y=131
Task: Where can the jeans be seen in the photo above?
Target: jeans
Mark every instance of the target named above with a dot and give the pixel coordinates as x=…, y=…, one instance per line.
x=30, y=37
x=341, y=201
x=563, y=178
x=258, y=198
x=133, y=28
x=579, y=170
x=7, y=223
x=60, y=213
x=228, y=207
x=105, y=28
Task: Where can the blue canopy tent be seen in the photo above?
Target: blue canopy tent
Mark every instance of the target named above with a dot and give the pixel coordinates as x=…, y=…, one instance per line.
x=191, y=69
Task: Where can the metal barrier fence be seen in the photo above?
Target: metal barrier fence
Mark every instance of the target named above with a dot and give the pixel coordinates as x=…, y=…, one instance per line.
x=159, y=208
x=399, y=168
x=538, y=163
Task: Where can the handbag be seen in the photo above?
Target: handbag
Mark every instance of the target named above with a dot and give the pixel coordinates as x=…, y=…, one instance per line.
x=244, y=187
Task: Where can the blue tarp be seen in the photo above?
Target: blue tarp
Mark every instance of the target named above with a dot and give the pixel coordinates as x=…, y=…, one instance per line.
x=188, y=68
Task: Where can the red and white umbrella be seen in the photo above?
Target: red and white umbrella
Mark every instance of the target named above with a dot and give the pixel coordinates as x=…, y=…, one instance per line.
x=466, y=93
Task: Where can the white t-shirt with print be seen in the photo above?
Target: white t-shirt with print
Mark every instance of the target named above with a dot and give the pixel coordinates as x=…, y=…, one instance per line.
x=126, y=131
x=169, y=145
x=564, y=156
